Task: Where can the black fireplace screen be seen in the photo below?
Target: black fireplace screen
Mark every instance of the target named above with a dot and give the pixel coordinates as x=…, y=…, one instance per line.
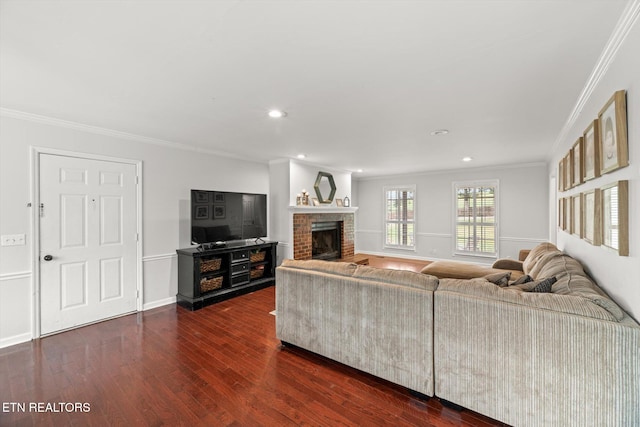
x=325, y=240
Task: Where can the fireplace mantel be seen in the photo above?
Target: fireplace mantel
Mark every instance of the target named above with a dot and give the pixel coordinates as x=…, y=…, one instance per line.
x=321, y=209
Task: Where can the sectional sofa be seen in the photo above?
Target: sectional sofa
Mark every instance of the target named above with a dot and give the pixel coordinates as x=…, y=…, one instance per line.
x=566, y=357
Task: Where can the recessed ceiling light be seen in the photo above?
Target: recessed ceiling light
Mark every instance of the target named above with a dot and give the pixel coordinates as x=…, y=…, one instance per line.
x=466, y=159
x=276, y=114
x=439, y=132
x=302, y=156
x=359, y=171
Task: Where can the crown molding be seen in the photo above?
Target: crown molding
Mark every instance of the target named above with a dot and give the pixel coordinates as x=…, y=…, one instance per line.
x=36, y=118
x=455, y=170
x=616, y=40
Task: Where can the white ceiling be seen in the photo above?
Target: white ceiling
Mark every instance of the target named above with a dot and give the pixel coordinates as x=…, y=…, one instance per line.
x=363, y=82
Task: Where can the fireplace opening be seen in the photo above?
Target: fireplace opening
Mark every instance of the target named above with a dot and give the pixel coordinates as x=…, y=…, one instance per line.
x=325, y=240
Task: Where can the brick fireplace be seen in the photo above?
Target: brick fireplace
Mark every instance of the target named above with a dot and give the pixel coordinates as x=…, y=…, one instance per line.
x=302, y=229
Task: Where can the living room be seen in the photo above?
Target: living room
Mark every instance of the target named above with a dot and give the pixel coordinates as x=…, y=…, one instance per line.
x=48, y=109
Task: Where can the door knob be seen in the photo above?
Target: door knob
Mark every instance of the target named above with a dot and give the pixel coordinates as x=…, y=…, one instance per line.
x=48, y=257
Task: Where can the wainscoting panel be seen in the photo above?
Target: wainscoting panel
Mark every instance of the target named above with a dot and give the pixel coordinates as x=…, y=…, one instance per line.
x=16, y=312
x=435, y=246
x=285, y=251
x=160, y=280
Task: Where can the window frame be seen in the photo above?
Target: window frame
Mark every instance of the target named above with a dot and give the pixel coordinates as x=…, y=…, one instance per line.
x=385, y=190
x=495, y=184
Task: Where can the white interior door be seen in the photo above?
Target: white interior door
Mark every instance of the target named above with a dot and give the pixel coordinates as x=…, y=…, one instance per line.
x=88, y=239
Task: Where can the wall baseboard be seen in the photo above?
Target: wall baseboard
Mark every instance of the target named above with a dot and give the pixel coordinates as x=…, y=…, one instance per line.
x=159, y=303
x=16, y=339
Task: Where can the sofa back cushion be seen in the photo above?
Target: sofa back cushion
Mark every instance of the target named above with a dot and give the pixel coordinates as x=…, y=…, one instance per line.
x=571, y=304
x=535, y=254
x=339, y=268
x=397, y=277
x=571, y=279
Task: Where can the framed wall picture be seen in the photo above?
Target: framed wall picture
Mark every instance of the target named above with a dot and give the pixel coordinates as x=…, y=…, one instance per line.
x=201, y=212
x=615, y=217
x=562, y=215
x=568, y=171
x=561, y=175
x=218, y=197
x=591, y=151
x=591, y=216
x=339, y=203
x=614, y=149
x=568, y=227
x=576, y=215
x=219, y=211
x=202, y=196
x=577, y=162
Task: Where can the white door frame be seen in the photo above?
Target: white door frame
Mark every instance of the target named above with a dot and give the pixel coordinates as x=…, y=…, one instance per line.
x=35, y=153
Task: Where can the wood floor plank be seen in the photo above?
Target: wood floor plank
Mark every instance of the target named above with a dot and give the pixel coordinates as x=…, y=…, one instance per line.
x=221, y=365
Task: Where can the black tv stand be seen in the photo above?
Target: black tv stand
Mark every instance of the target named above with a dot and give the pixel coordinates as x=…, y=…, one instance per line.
x=209, y=274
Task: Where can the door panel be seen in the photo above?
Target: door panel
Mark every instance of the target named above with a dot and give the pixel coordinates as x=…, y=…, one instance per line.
x=88, y=227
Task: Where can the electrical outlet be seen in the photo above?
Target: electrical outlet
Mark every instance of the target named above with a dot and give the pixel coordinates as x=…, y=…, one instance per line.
x=12, y=240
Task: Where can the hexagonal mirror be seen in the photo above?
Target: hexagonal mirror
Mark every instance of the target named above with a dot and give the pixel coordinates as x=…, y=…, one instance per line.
x=325, y=187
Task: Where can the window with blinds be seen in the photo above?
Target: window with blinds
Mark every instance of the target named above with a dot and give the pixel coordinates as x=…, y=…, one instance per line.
x=476, y=218
x=399, y=217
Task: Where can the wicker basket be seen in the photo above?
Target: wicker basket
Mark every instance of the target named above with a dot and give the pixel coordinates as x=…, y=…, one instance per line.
x=256, y=273
x=211, y=284
x=257, y=257
x=210, y=265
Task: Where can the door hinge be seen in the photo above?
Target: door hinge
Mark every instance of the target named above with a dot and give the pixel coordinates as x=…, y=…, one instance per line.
x=41, y=210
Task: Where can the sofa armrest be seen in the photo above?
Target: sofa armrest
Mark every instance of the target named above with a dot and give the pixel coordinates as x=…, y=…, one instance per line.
x=383, y=329
x=533, y=366
x=522, y=255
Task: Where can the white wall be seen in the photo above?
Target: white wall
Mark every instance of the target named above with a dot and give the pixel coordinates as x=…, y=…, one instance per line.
x=522, y=199
x=168, y=176
x=618, y=275
x=287, y=179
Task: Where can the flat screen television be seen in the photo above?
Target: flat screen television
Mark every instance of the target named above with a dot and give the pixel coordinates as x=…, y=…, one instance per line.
x=222, y=216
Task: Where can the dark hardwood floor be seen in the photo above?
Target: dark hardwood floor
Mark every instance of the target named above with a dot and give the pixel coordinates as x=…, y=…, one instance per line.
x=218, y=366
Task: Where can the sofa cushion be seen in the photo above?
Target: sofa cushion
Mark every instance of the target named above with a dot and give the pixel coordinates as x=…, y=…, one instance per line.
x=481, y=288
x=508, y=264
x=340, y=268
x=572, y=280
x=500, y=279
x=397, y=277
x=535, y=254
x=462, y=270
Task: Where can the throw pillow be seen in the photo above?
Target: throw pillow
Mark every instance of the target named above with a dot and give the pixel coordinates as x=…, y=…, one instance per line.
x=544, y=285
x=508, y=264
x=530, y=286
x=500, y=279
x=522, y=279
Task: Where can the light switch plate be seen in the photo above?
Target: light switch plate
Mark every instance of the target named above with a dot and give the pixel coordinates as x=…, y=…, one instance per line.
x=12, y=240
